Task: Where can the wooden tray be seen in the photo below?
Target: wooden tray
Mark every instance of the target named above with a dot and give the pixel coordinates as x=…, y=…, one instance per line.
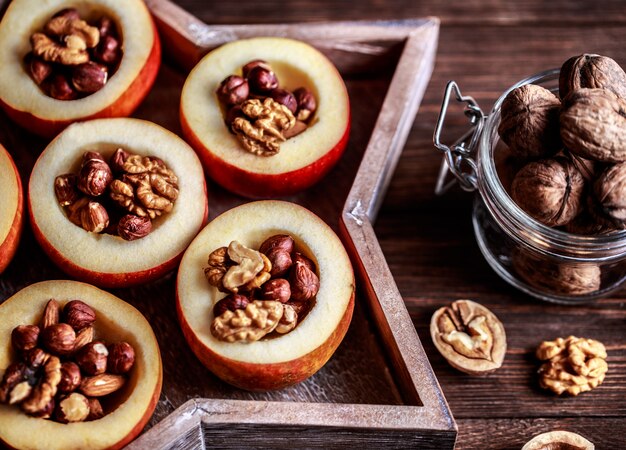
x=378, y=389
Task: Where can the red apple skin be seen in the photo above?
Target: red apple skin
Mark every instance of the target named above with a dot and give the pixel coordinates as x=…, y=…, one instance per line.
x=266, y=377
x=124, y=106
x=257, y=185
x=106, y=280
x=12, y=240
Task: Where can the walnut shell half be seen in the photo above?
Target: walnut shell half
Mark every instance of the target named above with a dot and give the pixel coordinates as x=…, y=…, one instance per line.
x=593, y=125
x=529, y=122
x=550, y=191
x=469, y=336
x=592, y=71
x=558, y=440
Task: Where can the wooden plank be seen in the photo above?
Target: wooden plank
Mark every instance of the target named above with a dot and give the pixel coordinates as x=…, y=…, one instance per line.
x=354, y=47
x=472, y=13
x=512, y=434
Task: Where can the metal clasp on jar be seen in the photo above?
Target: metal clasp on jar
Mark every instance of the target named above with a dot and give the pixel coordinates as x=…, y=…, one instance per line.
x=458, y=158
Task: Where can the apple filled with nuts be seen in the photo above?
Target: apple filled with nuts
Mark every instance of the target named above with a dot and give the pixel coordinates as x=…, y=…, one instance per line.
x=64, y=61
x=11, y=208
x=75, y=373
x=115, y=202
x=265, y=294
x=267, y=116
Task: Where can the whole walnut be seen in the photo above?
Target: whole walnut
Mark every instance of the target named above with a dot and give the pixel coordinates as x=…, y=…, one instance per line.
x=593, y=125
x=609, y=195
x=550, y=191
x=558, y=277
x=592, y=71
x=529, y=122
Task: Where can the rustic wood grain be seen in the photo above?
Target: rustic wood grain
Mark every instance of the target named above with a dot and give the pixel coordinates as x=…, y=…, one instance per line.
x=428, y=241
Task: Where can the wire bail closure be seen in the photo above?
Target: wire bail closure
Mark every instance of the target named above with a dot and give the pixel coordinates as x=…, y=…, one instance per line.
x=458, y=159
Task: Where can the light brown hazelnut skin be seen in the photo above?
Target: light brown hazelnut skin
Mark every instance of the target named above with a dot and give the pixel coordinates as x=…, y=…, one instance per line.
x=278, y=250
x=306, y=104
x=92, y=358
x=233, y=90
x=231, y=302
x=94, y=217
x=121, y=358
x=25, y=337
x=95, y=409
x=59, y=339
x=60, y=88
x=95, y=174
x=277, y=289
x=132, y=227
x=304, y=282
x=70, y=377
x=65, y=189
x=89, y=77
x=78, y=314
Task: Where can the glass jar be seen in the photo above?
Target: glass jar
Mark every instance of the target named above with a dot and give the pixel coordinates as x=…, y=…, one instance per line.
x=544, y=262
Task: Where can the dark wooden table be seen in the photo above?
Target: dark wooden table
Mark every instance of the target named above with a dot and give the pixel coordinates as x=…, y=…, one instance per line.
x=429, y=241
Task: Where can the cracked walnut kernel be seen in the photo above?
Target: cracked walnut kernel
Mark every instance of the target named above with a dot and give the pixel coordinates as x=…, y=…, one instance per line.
x=250, y=324
x=262, y=129
x=574, y=365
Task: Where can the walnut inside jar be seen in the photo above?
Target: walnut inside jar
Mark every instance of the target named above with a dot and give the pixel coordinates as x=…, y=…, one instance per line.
x=550, y=191
x=121, y=197
x=261, y=113
x=71, y=58
x=261, y=303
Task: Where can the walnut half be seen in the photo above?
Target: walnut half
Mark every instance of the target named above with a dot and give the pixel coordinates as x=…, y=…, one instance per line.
x=469, y=336
x=558, y=440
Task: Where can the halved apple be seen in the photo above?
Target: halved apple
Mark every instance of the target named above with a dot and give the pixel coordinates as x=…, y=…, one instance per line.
x=304, y=159
x=11, y=208
x=30, y=107
x=116, y=321
x=277, y=362
x=104, y=259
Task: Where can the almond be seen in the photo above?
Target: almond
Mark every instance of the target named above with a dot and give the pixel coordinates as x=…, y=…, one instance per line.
x=50, y=314
x=101, y=385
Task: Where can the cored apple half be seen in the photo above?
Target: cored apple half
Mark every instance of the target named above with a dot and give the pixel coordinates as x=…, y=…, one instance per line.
x=304, y=159
x=116, y=321
x=277, y=362
x=11, y=208
x=30, y=107
x=104, y=259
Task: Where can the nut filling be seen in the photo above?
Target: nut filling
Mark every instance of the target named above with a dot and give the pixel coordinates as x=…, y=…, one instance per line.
x=260, y=113
x=62, y=372
x=269, y=291
x=120, y=198
x=72, y=58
